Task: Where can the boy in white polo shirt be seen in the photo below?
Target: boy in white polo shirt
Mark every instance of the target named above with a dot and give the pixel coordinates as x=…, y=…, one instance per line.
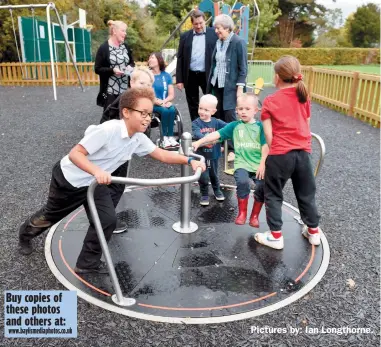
x=98, y=155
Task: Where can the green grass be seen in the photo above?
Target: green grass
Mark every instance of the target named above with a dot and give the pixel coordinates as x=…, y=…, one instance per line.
x=256, y=71
x=266, y=71
x=369, y=69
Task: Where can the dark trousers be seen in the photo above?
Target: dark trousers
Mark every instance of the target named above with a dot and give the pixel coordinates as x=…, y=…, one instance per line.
x=63, y=199
x=196, y=79
x=110, y=99
x=279, y=168
x=211, y=173
x=227, y=116
x=242, y=178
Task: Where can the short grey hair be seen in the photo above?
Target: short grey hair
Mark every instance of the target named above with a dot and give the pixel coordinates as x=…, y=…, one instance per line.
x=225, y=21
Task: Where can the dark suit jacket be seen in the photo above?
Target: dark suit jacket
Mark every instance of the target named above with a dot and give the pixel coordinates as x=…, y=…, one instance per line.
x=103, y=69
x=184, y=54
x=236, y=71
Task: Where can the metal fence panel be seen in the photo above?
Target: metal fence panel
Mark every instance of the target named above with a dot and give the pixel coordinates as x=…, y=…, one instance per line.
x=260, y=68
x=35, y=42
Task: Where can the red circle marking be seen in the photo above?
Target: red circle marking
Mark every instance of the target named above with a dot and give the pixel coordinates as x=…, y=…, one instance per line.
x=177, y=308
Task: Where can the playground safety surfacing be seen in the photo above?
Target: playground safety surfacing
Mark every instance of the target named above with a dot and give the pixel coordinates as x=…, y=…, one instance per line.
x=217, y=274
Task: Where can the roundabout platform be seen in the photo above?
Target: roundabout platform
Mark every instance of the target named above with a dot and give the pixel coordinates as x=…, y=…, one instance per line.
x=216, y=274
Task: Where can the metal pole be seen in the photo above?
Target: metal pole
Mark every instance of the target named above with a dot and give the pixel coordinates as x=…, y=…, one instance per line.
x=51, y=49
x=176, y=30
x=84, y=47
x=22, y=43
x=226, y=149
x=185, y=226
x=118, y=298
x=256, y=29
x=129, y=167
x=186, y=143
x=24, y=6
x=68, y=47
x=232, y=8
x=64, y=19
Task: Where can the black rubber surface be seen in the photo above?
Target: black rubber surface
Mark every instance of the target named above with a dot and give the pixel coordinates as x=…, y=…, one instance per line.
x=217, y=271
x=35, y=132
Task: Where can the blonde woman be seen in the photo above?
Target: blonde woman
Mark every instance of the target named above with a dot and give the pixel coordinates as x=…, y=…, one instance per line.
x=113, y=64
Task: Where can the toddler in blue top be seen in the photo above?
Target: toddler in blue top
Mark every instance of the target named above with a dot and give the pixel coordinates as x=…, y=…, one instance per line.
x=202, y=126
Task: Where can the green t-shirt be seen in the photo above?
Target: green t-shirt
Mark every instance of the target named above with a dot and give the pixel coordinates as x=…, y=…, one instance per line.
x=248, y=139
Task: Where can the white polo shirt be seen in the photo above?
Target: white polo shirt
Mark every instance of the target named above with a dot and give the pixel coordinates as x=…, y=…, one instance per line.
x=109, y=146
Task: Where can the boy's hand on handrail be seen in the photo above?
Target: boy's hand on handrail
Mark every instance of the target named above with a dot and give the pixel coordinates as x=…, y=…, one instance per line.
x=195, y=145
x=102, y=177
x=208, y=144
x=196, y=164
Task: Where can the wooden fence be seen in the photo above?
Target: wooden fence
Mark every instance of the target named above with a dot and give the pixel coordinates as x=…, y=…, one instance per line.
x=352, y=93
x=40, y=74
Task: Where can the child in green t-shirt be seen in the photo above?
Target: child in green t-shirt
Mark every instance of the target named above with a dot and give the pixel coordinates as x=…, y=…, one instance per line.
x=251, y=152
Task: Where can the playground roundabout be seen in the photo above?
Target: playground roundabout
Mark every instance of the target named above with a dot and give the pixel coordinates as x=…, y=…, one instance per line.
x=215, y=274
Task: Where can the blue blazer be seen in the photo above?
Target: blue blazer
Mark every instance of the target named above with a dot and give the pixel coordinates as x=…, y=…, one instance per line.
x=184, y=54
x=236, y=71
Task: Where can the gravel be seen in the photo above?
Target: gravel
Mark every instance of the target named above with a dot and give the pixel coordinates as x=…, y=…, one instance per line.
x=36, y=131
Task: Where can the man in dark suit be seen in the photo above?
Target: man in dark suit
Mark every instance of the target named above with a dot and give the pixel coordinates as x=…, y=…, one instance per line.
x=194, y=58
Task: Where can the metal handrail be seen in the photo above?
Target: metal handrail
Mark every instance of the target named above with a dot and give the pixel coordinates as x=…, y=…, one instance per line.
x=118, y=298
x=322, y=153
x=319, y=163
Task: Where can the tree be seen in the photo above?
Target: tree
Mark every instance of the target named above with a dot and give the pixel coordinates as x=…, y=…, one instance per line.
x=269, y=12
x=169, y=13
x=333, y=38
x=331, y=32
x=298, y=20
x=142, y=35
x=364, y=28
x=173, y=7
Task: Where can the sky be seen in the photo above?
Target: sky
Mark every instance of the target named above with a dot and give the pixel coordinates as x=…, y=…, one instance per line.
x=346, y=6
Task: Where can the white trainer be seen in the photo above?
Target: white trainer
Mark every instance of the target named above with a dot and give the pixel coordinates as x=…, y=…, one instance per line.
x=313, y=238
x=165, y=143
x=173, y=141
x=269, y=240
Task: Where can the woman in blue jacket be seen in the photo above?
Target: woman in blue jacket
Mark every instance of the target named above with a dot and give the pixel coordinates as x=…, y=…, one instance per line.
x=228, y=74
x=165, y=93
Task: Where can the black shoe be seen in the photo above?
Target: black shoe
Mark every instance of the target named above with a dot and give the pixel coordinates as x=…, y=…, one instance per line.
x=100, y=269
x=25, y=247
x=120, y=226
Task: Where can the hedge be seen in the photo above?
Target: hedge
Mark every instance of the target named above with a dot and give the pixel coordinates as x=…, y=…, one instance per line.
x=322, y=56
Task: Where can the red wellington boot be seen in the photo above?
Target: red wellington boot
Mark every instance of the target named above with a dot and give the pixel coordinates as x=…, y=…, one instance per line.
x=254, y=222
x=242, y=211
